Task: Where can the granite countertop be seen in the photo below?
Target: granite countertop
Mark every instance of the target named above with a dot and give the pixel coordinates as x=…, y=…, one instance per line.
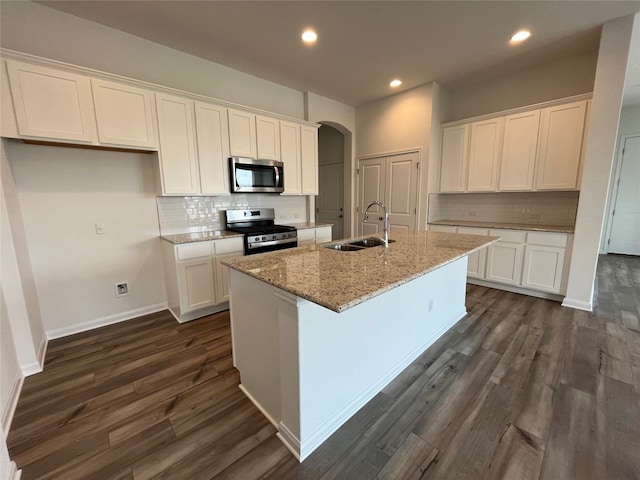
x=200, y=236
x=510, y=226
x=339, y=280
x=306, y=225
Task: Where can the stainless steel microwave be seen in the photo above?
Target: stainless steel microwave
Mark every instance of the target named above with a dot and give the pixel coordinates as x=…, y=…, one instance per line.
x=256, y=175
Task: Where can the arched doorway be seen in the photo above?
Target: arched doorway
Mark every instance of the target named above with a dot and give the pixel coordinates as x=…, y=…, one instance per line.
x=333, y=202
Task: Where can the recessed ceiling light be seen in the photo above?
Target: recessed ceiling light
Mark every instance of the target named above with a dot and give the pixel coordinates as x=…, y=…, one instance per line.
x=395, y=83
x=309, y=37
x=520, y=36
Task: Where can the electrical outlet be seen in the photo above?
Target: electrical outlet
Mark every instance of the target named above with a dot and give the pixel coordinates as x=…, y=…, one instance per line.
x=122, y=289
x=99, y=228
x=472, y=213
x=535, y=216
x=430, y=304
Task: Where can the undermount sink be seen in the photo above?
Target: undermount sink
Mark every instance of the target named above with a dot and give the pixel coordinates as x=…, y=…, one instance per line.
x=344, y=247
x=357, y=244
x=369, y=242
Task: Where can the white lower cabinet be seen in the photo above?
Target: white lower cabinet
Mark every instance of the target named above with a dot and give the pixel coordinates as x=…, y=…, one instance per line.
x=544, y=261
x=504, y=262
x=309, y=236
x=196, y=284
x=530, y=261
x=196, y=280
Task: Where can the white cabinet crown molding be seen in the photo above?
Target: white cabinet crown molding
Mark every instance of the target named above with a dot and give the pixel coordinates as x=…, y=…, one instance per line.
x=7, y=54
x=522, y=109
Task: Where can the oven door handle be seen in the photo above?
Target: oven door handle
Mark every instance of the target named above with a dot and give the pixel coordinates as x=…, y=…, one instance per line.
x=272, y=243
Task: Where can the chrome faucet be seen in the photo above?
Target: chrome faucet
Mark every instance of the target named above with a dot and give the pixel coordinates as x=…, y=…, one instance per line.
x=384, y=218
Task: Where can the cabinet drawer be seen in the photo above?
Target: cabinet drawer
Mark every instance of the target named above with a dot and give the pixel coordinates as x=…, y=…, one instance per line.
x=443, y=228
x=228, y=245
x=513, y=236
x=549, y=239
x=194, y=250
x=473, y=230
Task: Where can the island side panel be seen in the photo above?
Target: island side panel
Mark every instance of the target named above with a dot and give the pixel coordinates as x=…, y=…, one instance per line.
x=346, y=358
x=255, y=342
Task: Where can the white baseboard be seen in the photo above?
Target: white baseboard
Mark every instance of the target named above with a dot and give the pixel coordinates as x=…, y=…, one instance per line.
x=515, y=289
x=37, y=367
x=258, y=406
x=12, y=402
x=14, y=473
x=577, y=304
x=104, y=321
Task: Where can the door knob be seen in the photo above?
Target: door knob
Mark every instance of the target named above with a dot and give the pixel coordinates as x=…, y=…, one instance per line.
x=339, y=216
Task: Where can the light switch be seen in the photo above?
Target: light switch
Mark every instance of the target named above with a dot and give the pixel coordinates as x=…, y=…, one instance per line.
x=100, y=229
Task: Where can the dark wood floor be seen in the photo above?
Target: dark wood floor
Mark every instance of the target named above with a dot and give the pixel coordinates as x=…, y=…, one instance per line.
x=521, y=388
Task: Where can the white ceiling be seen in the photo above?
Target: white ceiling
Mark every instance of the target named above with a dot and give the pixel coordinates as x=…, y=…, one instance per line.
x=362, y=45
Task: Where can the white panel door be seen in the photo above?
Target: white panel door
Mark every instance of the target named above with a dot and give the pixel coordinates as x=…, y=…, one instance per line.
x=268, y=137
x=330, y=197
x=371, y=188
x=625, y=224
x=504, y=262
x=242, y=134
x=401, y=190
x=52, y=104
x=196, y=284
x=123, y=115
x=454, y=158
x=290, y=151
x=484, y=155
x=309, y=159
x=519, y=148
x=543, y=268
x=213, y=148
x=560, y=146
x=177, y=150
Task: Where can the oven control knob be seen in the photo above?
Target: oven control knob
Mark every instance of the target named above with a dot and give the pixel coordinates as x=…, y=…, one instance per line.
x=274, y=237
x=264, y=238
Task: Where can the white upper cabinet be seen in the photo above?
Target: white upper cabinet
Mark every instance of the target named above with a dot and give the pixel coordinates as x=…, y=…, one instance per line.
x=242, y=134
x=560, y=146
x=290, y=150
x=52, y=104
x=484, y=155
x=123, y=115
x=177, y=152
x=454, y=164
x=213, y=148
x=268, y=137
x=538, y=149
x=309, y=159
x=519, y=151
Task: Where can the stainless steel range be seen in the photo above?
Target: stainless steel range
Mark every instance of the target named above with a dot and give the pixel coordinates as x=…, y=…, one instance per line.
x=261, y=234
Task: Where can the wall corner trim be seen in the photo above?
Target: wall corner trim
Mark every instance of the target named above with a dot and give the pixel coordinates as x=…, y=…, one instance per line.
x=577, y=304
x=104, y=321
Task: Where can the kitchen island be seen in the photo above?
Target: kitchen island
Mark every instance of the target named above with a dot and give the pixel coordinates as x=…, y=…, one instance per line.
x=317, y=332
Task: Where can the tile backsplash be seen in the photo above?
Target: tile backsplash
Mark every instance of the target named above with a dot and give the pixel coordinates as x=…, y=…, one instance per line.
x=535, y=208
x=198, y=214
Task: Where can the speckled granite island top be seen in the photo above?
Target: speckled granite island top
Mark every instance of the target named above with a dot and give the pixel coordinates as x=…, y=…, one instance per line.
x=339, y=280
